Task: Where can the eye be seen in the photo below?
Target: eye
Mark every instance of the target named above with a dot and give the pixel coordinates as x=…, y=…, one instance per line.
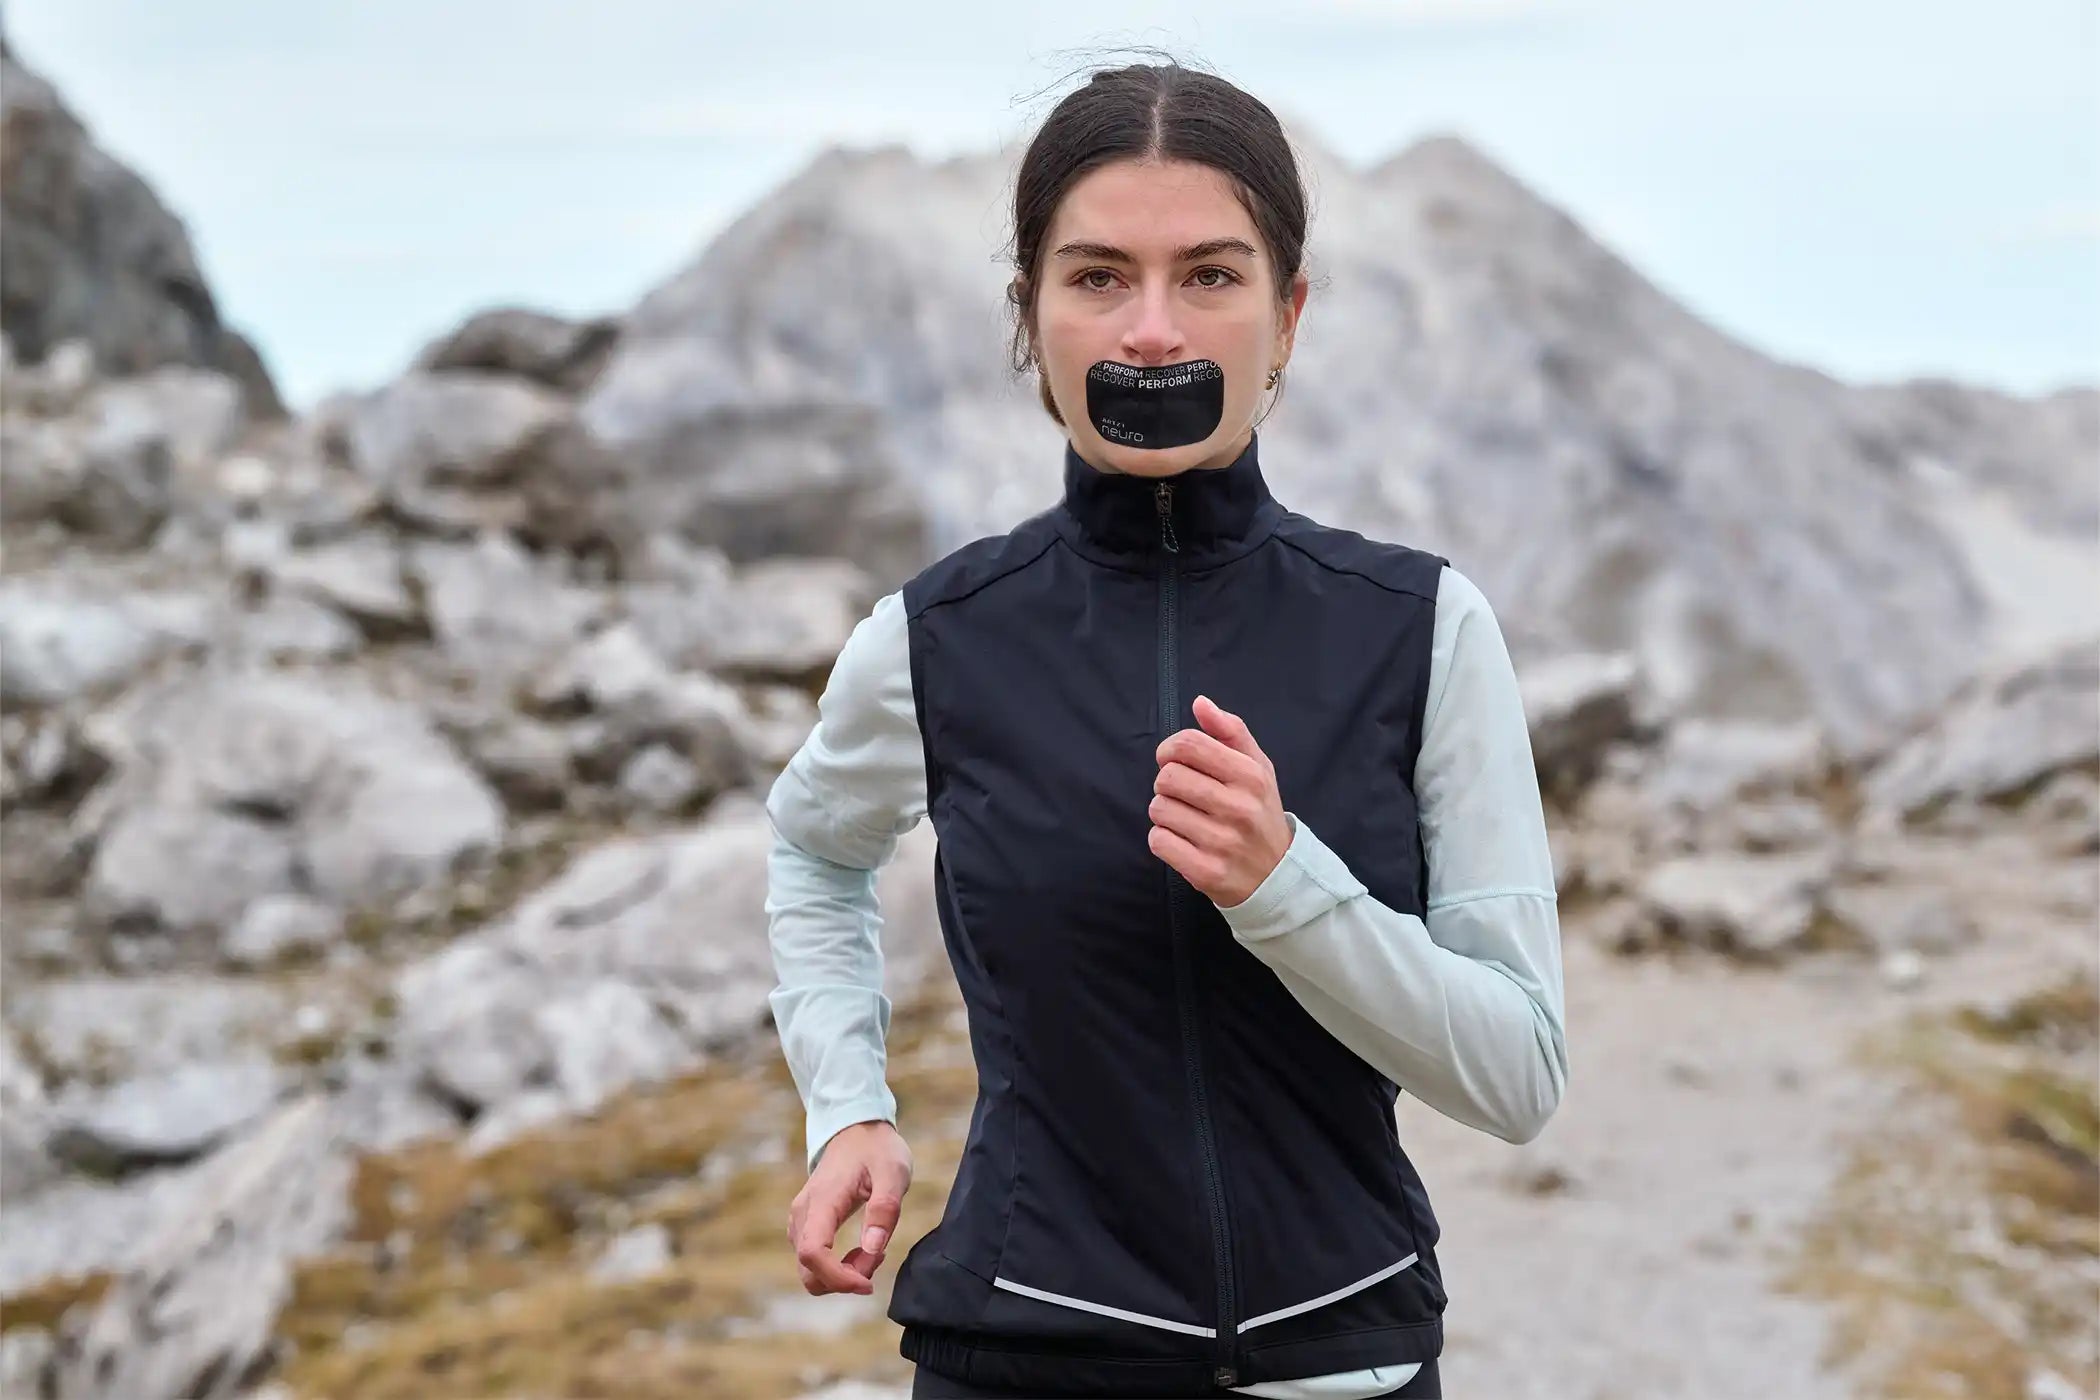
x=1085, y=279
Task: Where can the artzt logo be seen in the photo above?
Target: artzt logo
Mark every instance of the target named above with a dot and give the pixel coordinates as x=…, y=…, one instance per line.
x=1118, y=432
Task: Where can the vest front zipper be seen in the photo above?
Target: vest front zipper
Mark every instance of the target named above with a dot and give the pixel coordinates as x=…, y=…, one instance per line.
x=1226, y=1371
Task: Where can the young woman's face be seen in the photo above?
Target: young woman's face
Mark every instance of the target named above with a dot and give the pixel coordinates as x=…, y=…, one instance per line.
x=1115, y=285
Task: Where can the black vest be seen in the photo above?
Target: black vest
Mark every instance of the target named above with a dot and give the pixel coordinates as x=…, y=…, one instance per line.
x=1175, y=1178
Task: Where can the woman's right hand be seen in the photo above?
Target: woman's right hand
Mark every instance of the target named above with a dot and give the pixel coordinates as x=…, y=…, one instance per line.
x=864, y=1162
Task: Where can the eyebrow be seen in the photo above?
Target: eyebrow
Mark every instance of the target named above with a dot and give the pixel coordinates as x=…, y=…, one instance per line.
x=1208, y=249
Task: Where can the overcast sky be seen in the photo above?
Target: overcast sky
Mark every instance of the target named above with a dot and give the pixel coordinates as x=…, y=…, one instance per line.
x=1877, y=189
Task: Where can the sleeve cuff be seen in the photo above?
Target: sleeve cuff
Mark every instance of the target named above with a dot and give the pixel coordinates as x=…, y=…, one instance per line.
x=1309, y=881
x=823, y=1127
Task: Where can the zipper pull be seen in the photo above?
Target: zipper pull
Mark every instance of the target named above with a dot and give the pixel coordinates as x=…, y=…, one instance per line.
x=1163, y=496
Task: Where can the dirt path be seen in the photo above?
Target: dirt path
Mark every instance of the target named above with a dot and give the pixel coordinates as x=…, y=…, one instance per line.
x=1633, y=1249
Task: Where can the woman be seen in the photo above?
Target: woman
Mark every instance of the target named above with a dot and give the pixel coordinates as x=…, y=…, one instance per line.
x=1239, y=836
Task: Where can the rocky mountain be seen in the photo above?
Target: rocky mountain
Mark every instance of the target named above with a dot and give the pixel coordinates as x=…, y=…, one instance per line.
x=93, y=254
x=1476, y=374
x=380, y=786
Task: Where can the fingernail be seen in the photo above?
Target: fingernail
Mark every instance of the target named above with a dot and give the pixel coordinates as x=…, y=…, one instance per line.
x=874, y=1238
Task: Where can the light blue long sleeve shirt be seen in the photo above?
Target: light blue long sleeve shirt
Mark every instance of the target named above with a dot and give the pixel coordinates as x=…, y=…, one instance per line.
x=1463, y=1009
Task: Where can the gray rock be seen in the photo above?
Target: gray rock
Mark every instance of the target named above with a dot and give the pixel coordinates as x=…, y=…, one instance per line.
x=550, y=350
x=632, y=1254
x=615, y=679
x=26, y=1163
x=180, y=865
x=802, y=477
x=195, y=414
x=787, y=618
x=379, y=1109
x=20, y=1081
x=56, y=384
x=196, y=1314
x=1577, y=707
x=104, y=1028
x=42, y=855
x=242, y=784
x=1788, y=822
x=162, y=1119
x=2069, y=805
x=466, y=1024
x=112, y=487
x=639, y=960
x=495, y=610
x=658, y=779
x=359, y=577
x=276, y=926
x=2003, y=737
x=64, y=642
x=781, y=719
x=1704, y=765
x=97, y=256
x=783, y=618
x=528, y=762
x=459, y=451
x=1755, y=905
x=1902, y=918
x=77, y=1225
x=25, y=1353
x=289, y=627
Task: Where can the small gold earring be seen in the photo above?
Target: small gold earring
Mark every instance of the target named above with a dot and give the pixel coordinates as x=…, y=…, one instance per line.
x=1272, y=376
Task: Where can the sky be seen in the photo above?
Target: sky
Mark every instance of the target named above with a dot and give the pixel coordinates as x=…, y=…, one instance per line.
x=1877, y=189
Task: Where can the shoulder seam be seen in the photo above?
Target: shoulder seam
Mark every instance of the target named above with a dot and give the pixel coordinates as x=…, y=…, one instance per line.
x=1050, y=540
x=1331, y=567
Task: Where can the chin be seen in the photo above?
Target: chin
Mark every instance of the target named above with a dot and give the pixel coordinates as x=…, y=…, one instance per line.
x=1140, y=461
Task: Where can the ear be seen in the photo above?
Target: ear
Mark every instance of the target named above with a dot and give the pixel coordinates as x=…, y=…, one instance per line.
x=1287, y=334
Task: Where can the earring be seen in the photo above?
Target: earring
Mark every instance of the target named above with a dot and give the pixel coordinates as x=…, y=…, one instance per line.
x=1272, y=376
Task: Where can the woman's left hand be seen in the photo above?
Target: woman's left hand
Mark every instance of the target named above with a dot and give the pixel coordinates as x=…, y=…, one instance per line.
x=1216, y=815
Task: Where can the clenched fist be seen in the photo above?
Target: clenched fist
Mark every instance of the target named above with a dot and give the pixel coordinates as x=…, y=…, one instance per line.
x=1216, y=814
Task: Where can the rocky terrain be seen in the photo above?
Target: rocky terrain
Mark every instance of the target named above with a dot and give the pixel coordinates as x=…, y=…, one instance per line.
x=382, y=989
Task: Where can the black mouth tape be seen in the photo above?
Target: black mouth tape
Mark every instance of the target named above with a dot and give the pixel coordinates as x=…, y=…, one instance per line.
x=1155, y=406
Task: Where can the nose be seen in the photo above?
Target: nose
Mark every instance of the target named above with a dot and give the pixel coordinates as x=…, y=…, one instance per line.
x=1153, y=338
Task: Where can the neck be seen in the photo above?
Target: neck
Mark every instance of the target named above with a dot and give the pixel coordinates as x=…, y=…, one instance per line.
x=1223, y=457
x=1213, y=512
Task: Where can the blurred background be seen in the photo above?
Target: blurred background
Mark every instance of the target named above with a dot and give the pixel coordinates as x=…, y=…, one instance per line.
x=443, y=448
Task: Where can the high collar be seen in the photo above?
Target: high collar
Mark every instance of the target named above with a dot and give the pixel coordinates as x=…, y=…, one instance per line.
x=1217, y=513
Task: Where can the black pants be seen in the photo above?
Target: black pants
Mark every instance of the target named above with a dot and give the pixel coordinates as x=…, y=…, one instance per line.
x=932, y=1385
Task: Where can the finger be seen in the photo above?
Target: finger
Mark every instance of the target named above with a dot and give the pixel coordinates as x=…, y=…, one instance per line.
x=1201, y=791
x=885, y=1205
x=1226, y=726
x=862, y=1262
x=1175, y=850
x=1199, y=828
x=1207, y=753
x=817, y=1287
x=823, y=1273
x=819, y=1231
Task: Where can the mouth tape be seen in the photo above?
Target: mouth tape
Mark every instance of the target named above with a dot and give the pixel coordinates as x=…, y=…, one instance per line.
x=1155, y=406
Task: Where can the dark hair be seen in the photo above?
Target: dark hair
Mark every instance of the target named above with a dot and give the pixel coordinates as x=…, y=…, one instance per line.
x=1155, y=112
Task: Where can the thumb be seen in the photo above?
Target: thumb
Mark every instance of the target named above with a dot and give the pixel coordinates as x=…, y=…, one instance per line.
x=885, y=1205
x=1225, y=726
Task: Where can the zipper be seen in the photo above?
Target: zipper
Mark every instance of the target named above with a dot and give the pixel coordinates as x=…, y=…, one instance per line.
x=1226, y=1370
